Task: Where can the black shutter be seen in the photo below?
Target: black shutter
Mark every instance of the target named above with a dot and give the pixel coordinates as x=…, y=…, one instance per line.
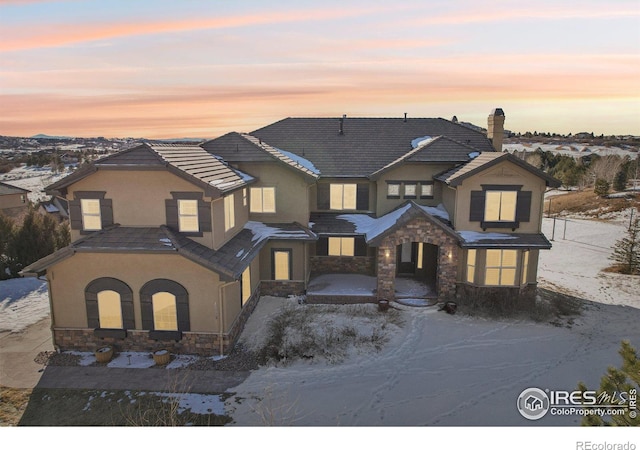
x=93, y=315
x=362, y=197
x=324, y=195
x=106, y=212
x=126, y=303
x=182, y=310
x=204, y=216
x=523, y=206
x=147, y=311
x=322, y=246
x=171, y=207
x=360, y=247
x=476, y=209
x=75, y=215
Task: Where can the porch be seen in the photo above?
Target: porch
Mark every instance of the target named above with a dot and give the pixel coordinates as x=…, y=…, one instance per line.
x=357, y=288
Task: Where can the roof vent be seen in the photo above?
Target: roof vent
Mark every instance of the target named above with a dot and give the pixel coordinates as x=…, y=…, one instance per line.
x=341, y=130
x=405, y=117
x=454, y=119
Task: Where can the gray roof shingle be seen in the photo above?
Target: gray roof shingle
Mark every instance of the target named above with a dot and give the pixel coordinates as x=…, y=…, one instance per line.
x=8, y=189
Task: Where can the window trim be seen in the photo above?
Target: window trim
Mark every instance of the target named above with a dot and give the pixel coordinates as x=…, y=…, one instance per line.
x=182, y=308
x=229, y=212
x=181, y=215
x=84, y=214
x=204, y=212
x=415, y=187
x=513, y=224
x=126, y=306
x=473, y=263
x=76, y=220
x=393, y=196
x=427, y=183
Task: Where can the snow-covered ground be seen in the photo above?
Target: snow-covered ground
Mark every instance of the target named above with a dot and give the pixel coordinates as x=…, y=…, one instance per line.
x=23, y=301
x=35, y=179
x=572, y=149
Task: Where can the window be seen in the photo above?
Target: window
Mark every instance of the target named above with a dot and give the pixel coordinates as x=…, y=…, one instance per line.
x=343, y=196
x=471, y=265
x=188, y=216
x=91, y=219
x=246, y=285
x=426, y=190
x=165, y=314
x=410, y=190
x=420, y=255
x=500, y=206
x=281, y=264
x=23, y=198
x=341, y=246
x=393, y=190
x=244, y=197
x=501, y=267
x=263, y=200
x=164, y=307
x=229, y=213
x=525, y=266
x=109, y=309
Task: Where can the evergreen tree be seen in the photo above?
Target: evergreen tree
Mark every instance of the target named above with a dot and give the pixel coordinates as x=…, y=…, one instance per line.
x=7, y=231
x=625, y=379
x=602, y=187
x=620, y=180
x=626, y=251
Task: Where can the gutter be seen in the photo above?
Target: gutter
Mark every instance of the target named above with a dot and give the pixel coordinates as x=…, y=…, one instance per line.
x=53, y=337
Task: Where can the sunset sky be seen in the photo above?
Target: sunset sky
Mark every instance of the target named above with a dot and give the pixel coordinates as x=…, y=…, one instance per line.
x=195, y=68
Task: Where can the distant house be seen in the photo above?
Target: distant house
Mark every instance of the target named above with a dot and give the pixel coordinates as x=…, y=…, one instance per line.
x=57, y=208
x=13, y=200
x=173, y=244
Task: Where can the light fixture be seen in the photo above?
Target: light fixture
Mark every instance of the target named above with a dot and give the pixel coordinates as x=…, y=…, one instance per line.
x=386, y=253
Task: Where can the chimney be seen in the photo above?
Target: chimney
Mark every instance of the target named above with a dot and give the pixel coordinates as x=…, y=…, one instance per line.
x=495, y=128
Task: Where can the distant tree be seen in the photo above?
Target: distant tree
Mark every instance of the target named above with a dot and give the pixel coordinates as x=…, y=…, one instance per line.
x=601, y=187
x=620, y=180
x=38, y=237
x=616, y=381
x=626, y=251
x=7, y=231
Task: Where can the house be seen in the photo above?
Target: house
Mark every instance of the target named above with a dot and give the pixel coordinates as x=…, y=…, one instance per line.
x=173, y=244
x=56, y=207
x=13, y=200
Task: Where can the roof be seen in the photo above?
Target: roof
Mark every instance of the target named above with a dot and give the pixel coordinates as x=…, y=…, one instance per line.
x=229, y=261
x=366, y=145
x=476, y=239
x=190, y=162
x=374, y=229
x=457, y=175
x=8, y=189
x=437, y=149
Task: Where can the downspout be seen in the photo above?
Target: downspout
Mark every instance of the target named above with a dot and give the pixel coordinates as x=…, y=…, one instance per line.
x=221, y=317
x=53, y=337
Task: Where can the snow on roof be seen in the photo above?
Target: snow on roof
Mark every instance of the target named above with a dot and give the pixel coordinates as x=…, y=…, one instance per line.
x=300, y=161
x=263, y=231
x=420, y=141
x=438, y=211
x=48, y=207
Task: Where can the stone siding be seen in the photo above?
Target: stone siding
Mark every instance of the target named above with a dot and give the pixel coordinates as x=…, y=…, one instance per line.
x=419, y=230
x=364, y=265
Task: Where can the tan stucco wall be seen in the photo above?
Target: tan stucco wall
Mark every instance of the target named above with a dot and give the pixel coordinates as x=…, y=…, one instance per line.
x=292, y=197
x=139, y=201
x=504, y=173
x=409, y=172
x=448, y=201
x=299, y=259
x=69, y=278
x=13, y=201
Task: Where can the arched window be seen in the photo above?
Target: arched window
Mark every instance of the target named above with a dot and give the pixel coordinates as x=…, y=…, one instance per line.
x=109, y=304
x=165, y=316
x=109, y=309
x=165, y=306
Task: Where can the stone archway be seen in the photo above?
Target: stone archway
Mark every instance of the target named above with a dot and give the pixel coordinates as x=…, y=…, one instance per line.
x=418, y=229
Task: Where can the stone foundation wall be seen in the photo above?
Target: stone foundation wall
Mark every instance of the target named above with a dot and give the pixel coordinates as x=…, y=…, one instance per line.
x=282, y=288
x=364, y=265
x=497, y=299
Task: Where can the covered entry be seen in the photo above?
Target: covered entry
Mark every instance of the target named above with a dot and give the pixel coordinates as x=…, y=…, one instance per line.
x=417, y=261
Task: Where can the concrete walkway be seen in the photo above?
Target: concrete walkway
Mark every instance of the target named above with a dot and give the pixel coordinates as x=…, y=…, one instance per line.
x=19, y=370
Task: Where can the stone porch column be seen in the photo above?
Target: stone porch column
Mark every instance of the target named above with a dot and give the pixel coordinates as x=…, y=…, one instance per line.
x=386, y=276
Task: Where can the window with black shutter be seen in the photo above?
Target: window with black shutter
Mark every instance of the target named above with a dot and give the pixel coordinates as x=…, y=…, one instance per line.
x=90, y=211
x=165, y=309
x=188, y=213
x=498, y=206
x=109, y=305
